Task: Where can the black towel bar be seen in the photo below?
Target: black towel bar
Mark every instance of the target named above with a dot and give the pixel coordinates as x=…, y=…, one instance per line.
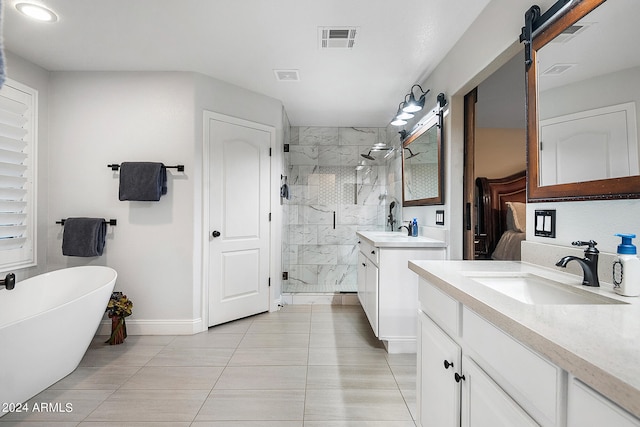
x=115, y=167
x=110, y=222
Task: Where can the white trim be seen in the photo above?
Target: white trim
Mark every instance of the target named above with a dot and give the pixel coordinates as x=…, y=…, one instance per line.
x=274, y=270
x=157, y=327
x=32, y=224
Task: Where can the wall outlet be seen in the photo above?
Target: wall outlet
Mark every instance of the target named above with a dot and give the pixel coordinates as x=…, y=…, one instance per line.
x=439, y=217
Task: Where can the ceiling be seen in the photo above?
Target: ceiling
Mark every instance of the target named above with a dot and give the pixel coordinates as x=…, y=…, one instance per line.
x=243, y=42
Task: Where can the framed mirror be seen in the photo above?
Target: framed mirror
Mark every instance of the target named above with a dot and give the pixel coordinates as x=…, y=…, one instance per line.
x=583, y=87
x=422, y=165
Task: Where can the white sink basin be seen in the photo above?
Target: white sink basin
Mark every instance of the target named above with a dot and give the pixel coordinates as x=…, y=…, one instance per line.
x=533, y=289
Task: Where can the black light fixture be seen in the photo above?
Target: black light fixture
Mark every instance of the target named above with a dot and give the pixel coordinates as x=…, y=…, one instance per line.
x=401, y=114
x=413, y=105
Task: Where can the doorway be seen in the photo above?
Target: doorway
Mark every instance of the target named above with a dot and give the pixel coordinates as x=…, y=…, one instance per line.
x=495, y=143
x=237, y=186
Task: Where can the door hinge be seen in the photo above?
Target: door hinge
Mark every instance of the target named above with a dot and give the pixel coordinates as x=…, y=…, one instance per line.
x=269, y=281
x=269, y=216
x=286, y=148
x=269, y=151
x=285, y=275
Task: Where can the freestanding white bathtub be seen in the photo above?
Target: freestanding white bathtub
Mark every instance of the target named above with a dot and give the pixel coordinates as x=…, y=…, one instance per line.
x=46, y=325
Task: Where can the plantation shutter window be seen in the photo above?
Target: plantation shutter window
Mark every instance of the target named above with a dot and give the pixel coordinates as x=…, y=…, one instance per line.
x=18, y=106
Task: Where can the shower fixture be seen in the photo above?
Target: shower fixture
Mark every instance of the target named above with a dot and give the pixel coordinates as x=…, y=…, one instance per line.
x=368, y=156
x=411, y=154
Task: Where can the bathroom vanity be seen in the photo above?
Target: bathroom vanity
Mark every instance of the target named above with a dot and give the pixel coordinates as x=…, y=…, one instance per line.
x=523, y=344
x=387, y=289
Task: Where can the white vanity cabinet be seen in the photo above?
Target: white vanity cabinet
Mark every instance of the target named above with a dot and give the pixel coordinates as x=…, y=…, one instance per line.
x=588, y=408
x=388, y=290
x=463, y=381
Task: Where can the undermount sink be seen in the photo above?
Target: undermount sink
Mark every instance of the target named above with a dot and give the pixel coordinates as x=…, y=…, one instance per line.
x=533, y=289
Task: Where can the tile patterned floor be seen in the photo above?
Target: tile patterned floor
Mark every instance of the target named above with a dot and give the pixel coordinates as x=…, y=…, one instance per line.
x=304, y=366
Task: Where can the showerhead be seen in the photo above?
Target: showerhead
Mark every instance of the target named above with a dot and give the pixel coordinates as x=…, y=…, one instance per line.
x=411, y=154
x=368, y=156
x=391, y=206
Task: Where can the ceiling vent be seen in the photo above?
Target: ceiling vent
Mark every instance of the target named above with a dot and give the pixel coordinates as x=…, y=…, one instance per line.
x=557, y=69
x=337, y=37
x=287, y=75
x=571, y=32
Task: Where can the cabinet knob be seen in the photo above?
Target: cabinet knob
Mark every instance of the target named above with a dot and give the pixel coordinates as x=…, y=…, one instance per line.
x=373, y=252
x=459, y=377
x=364, y=265
x=216, y=233
x=447, y=364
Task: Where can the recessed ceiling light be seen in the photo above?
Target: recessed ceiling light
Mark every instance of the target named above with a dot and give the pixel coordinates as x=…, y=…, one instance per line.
x=37, y=11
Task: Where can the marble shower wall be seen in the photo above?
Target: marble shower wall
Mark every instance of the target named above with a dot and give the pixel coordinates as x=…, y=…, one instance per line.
x=326, y=189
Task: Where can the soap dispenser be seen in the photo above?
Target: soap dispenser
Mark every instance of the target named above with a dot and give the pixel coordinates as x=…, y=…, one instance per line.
x=626, y=268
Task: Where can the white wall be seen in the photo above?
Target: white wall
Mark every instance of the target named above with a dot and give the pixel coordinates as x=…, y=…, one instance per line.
x=101, y=118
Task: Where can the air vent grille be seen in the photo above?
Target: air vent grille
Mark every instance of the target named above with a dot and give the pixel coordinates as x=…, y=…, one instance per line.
x=571, y=32
x=557, y=69
x=337, y=37
x=287, y=75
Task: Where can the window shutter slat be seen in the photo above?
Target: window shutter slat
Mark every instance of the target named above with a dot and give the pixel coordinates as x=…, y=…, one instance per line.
x=18, y=108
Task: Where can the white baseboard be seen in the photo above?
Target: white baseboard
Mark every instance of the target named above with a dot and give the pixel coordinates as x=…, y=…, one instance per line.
x=156, y=327
x=400, y=345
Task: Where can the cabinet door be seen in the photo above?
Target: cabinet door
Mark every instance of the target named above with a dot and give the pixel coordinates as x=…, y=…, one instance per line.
x=438, y=394
x=588, y=408
x=371, y=295
x=362, y=271
x=485, y=404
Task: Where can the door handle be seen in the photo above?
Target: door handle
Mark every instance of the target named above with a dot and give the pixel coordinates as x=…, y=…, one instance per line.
x=215, y=233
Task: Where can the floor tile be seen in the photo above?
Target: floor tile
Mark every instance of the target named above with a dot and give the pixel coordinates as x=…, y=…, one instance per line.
x=344, y=340
x=94, y=378
x=192, y=356
x=127, y=354
x=303, y=366
x=338, y=377
x=265, y=405
x=262, y=378
x=173, y=378
x=347, y=356
x=275, y=340
x=270, y=356
x=207, y=339
x=355, y=404
x=150, y=406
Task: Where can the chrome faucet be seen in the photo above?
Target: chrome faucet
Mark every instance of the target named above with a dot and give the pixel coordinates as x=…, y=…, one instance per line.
x=589, y=263
x=9, y=281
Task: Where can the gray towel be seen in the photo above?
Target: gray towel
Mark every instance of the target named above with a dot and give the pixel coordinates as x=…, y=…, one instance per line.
x=142, y=181
x=84, y=236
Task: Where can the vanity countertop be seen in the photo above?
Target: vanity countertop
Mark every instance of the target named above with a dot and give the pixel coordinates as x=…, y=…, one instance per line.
x=598, y=343
x=391, y=239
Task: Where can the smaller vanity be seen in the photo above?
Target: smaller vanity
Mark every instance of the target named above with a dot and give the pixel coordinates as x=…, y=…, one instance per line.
x=387, y=289
x=523, y=344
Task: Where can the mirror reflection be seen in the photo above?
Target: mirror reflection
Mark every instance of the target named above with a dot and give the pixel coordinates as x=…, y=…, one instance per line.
x=588, y=87
x=421, y=167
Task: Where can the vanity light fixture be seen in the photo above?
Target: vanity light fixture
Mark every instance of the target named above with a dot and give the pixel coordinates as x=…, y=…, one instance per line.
x=401, y=114
x=413, y=105
x=409, y=106
x=37, y=11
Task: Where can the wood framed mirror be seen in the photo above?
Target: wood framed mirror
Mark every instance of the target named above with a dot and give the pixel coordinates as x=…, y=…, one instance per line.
x=422, y=163
x=583, y=85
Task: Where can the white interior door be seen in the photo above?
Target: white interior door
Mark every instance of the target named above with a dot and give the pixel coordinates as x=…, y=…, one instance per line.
x=239, y=234
x=590, y=145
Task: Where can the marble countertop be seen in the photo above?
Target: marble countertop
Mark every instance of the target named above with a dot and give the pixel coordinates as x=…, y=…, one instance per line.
x=391, y=239
x=598, y=343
